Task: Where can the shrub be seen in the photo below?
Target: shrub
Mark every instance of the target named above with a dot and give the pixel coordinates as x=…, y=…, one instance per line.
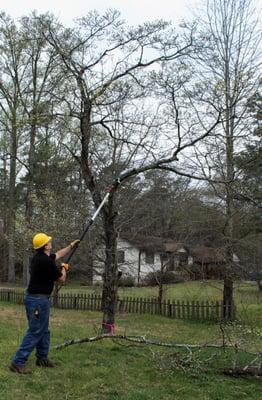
x=166, y=277
x=126, y=281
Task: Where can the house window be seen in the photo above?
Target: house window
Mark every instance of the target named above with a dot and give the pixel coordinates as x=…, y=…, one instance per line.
x=164, y=257
x=170, y=264
x=183, y=259
x=149, y=257
x=120, y=256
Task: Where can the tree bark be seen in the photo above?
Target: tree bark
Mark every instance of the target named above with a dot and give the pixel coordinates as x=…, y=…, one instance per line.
x=229, y=231
x=29, y=197
x=110, y=282
x=12, y=203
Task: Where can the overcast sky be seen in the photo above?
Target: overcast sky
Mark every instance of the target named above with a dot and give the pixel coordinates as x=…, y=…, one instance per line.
x=133, y=11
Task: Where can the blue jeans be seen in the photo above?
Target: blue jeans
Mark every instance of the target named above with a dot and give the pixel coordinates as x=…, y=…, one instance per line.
x=38, y=335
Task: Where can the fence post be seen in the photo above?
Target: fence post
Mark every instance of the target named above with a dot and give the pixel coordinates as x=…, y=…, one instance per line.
x=197, y=310
x=193, y=314
x=178, y=309
x=233, y=310
x=183, y=309
x=169, y=309
x=207, y=310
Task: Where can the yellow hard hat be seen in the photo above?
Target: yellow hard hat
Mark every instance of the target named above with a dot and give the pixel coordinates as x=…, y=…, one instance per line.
x=40, y=239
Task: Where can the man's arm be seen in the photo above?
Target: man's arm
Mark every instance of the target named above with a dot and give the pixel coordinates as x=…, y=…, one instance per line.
x=62, y=277
x=63, y=252
x=66, y=250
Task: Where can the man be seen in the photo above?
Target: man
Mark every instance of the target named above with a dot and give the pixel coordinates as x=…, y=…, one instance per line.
x=43, y=274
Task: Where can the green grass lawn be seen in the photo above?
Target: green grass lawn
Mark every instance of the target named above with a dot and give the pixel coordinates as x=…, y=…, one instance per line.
x=109, y=370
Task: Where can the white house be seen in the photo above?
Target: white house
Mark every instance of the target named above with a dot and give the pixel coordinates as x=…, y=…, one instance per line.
x=137, y=259
x=138, y=255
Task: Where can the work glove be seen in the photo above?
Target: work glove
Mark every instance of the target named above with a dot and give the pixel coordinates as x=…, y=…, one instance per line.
x=65, y=266
x=75, y=243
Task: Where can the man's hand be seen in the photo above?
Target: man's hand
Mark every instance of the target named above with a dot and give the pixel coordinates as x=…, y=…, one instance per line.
x=75, y=243
x=65, y=266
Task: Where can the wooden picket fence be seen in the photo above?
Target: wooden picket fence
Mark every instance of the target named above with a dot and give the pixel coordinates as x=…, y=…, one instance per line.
x=195, y=310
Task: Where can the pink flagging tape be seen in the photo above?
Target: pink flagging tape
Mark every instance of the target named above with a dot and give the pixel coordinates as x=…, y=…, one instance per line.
x=109, y=327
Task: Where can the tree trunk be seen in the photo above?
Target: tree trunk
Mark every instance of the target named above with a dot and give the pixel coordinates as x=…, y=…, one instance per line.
x=29, y=199
x=11, y=256
x=110, y=282
x=229, y=231
x=12, y=204
x=160, y=287
x=26, y=261
x=228, y=276
x=5, y=191
x=228, y=304
x=139, y=268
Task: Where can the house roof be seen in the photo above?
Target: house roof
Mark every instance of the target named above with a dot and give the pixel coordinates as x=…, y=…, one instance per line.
x=200, y=254
x=153, y=243
x=175, y=247
x=150, y=243
x=207, y=255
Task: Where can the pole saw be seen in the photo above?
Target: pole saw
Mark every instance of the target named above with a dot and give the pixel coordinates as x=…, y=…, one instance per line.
x=90, y=222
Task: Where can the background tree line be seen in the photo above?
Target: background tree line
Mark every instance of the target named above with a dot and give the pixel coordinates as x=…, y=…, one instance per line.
x=177, y=108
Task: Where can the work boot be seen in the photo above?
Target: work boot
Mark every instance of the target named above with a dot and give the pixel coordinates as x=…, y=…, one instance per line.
x=19, y=369
x=44, y=363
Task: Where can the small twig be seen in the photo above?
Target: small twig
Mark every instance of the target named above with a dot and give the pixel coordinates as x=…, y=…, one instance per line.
x=223, y=334
x=258, y=357
x=235, y=356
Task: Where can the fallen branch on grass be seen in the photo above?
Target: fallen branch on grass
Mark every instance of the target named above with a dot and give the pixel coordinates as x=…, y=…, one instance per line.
x=255, y=371
x=139, y=340
x=191, y=361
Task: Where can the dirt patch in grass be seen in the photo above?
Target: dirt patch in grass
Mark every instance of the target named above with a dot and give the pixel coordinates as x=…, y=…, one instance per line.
x=61, y=317
x=9, y=312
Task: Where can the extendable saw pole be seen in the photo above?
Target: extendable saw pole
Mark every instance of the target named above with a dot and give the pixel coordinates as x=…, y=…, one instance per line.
x=88, y=225
x=90, y=222
x=92, y=219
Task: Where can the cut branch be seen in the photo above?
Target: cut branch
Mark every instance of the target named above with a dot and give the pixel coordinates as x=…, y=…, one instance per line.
x=140, y=340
